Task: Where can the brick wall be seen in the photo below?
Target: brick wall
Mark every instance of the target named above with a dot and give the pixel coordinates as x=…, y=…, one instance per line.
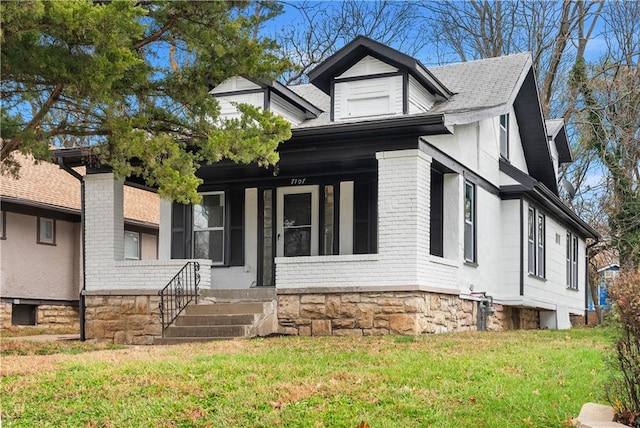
x=403, y=258
x=106, y=268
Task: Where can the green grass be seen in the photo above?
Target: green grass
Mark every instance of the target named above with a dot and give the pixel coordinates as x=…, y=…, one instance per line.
x=512, y=379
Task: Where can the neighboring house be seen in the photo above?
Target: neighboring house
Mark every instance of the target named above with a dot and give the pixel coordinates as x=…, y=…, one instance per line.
x=41, y=247
x=407, y=201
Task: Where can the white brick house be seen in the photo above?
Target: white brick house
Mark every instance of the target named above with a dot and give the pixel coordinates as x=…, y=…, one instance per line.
x=403, y=192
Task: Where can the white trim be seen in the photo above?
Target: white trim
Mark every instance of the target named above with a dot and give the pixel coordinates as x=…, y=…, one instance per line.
x=346, y=217
x=291, y=190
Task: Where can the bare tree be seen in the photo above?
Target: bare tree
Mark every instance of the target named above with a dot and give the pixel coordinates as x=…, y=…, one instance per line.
x=322, y=28
x=610, y=114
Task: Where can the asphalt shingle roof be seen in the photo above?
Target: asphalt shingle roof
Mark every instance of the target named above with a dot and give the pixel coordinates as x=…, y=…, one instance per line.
x=476, y=85
x=47, y=184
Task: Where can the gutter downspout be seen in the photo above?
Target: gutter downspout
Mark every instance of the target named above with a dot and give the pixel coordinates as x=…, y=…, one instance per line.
x=588, y=285
x=82, y=307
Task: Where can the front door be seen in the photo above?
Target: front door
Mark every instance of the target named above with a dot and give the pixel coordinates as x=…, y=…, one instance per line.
x=297, y=225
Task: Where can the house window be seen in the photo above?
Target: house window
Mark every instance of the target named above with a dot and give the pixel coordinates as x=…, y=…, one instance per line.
x=208, y=228
x=504, y=136
x=572, y=261
x=469, y=222
x=3, y=225
x=131, y=245
x=436, y=226
x=536, y=242
x=46, y=231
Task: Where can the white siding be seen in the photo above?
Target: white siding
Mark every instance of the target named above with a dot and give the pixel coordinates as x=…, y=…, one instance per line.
x=509, y=265
x=235, y=83
x=552, y=289
x=228, y=109
x=368, y=66
x=370, y=97
x=285, y=109
x=420, y=100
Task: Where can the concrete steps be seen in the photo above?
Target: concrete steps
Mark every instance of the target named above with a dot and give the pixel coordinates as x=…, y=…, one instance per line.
x=225, y=314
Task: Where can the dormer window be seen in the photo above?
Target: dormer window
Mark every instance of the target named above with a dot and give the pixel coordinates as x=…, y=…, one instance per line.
x=269, y=95
x=504, y=136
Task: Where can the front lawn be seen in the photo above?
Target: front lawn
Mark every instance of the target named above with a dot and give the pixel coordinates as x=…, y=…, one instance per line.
x=512, y=379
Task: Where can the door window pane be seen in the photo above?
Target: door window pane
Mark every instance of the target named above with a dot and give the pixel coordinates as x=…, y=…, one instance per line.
x=297, y=241
x=297, y=224
x=297, y=209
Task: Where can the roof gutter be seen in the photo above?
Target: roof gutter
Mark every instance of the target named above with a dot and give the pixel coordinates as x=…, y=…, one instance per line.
x=81, y=299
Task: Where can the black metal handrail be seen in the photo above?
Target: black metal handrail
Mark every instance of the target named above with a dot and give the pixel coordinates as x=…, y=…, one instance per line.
x=178, y=293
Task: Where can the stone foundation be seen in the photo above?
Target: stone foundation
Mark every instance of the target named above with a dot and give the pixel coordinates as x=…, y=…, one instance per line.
x=512, y=318
x=381, y=313
x=55, y=316
x=5, y=314
x=374, y=313
x=119, y=318
x=47, y=316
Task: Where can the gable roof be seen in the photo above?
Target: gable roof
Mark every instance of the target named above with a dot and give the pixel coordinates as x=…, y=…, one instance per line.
x=311, y=111
x=557, y=132
x=46, y=185
x=362, y=46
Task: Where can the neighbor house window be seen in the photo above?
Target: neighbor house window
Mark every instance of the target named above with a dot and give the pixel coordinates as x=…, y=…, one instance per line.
x=208, y=228
x=504, y=136
x=3, y=225
x=131, y=245
x=469, y=222
x=572, y=261
x=536, y=242
x=46, y=231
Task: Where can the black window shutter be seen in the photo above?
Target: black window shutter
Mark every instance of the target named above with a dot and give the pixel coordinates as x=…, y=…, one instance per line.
x=364, y=218
x=436, y=236
x=181, y=226
x=236, y=227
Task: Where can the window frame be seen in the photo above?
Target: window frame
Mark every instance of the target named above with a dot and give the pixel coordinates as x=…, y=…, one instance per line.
x=139, y=255
x=3, y=224
x=504, y=135
x=222, y=228
x=536, y=244
x=472, y=223
x=40, y=229
x=572, y=249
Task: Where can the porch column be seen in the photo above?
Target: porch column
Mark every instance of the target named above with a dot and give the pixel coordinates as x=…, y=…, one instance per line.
x=104, y=227
x=404, y=182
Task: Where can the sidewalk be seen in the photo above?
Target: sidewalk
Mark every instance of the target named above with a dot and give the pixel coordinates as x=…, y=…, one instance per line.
x=45, y=337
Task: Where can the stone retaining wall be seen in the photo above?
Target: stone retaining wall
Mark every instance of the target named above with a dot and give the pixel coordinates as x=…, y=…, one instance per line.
x=130, y=319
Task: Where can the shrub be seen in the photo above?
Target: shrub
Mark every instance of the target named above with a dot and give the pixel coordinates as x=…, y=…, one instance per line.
x=623, y=389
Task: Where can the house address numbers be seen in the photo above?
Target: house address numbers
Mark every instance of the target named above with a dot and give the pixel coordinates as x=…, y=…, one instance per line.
x=298, y=181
